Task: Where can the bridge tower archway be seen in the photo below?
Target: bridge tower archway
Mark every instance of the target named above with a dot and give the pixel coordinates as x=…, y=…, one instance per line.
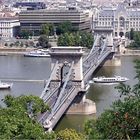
x=106, y=32
x=65, y=56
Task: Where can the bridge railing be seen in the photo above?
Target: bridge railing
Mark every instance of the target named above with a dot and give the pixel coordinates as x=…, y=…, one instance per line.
x=48, y=82
x=63, y=88
x=63, y=95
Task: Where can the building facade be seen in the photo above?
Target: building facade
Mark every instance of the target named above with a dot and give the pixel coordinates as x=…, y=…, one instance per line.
x=32, y=20
x=121, y=19
x=9, y=24
x=30, y=5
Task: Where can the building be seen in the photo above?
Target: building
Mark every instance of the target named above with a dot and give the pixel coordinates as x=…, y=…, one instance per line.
x=32, y=20
x=30, y=5
x=121, y=19
x=9, y=24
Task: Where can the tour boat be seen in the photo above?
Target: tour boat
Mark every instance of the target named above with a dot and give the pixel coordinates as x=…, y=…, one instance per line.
x=4, y=85
x=110, y=79
x=38, y=53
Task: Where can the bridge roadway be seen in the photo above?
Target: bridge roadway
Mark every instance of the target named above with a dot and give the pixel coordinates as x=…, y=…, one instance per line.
x=61, y=96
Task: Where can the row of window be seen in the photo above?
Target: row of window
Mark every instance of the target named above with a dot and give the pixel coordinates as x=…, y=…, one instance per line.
x=5, y=24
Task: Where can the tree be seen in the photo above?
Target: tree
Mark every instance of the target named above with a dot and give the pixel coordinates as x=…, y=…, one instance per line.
x=136, y=40
x=47, y=29
x=86, y=39
x=131, y=37
x=91, y=131
x=16, y=121
x=25, y=34
x=83, y=39
x=69, y=134
x=43, y=41
x=64, y=27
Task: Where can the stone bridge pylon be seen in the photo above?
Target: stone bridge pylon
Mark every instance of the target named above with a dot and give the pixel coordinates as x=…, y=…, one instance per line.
x=62, y=58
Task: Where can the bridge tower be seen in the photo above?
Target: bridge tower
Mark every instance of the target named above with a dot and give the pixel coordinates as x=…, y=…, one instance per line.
x=107, y=32
x=63, y=57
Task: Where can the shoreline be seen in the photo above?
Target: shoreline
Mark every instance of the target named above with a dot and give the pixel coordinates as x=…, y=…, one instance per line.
x=4, y=51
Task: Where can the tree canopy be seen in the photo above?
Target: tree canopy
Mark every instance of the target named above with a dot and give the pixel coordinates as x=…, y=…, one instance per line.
x=134, y=36
x=25, y=34
x=69, y=134
x=18, y=120
x=43, y=41
x=65, y=27
x=83, y=39
x=47, y=29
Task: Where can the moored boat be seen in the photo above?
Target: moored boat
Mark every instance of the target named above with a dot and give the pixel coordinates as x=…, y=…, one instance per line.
x=4, y=85
x=110, y=79
x=37, y=53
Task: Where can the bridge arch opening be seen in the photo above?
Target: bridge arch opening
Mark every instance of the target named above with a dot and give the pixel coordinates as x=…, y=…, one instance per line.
x=64, y=71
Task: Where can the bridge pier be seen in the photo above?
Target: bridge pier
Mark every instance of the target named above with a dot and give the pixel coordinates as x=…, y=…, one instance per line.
x=112, y=60
x=84, y=107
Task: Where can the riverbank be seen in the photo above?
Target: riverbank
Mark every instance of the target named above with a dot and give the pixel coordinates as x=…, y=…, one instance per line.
x=13, y=51
x=21, y=51
x=130, y=52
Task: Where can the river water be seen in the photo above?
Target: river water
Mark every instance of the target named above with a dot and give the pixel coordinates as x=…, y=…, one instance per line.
x=28, y=68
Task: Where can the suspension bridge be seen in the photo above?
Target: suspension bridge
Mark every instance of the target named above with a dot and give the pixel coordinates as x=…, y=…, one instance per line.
x=69, y=76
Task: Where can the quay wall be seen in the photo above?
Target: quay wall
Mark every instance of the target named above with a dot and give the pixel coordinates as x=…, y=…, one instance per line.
x=13, y=51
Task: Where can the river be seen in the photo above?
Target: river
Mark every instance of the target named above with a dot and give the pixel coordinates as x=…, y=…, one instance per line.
x=27, y=68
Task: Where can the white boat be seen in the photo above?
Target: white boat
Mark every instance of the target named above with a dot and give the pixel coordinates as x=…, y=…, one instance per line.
x=110, y=79
x=38, y=53
x=4, y=85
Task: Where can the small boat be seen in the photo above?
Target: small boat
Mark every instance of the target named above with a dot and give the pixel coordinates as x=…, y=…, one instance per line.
x=38, y=53
x=4, y=85
x=115, y=79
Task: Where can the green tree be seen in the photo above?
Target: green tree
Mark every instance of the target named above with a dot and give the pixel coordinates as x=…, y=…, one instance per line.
x=136, y=40
x=83, y=39
x=131, y=35
x=47, y=29
x=43, y=41
x=86, y=39
x=64, y=27
x=91, y=131
x=16, y=121
x=25, y=34
x=69, y=134
x=51, y=29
